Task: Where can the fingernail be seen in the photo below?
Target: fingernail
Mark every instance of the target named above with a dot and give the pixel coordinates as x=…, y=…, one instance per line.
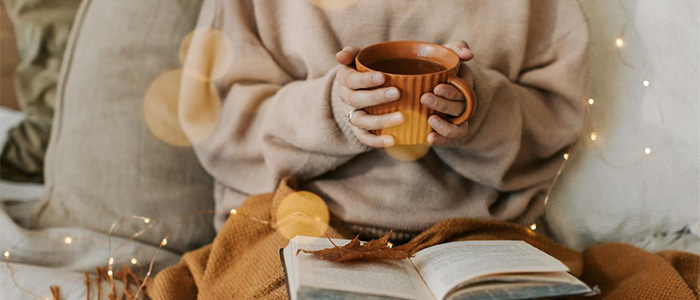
x=428, y=100
x=434, y=123
x=378, y=78
x=388, y=142
x=392, y=94
x=397, y=119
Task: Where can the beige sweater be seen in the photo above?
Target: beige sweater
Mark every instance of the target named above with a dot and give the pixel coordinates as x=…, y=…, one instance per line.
x=281, y=115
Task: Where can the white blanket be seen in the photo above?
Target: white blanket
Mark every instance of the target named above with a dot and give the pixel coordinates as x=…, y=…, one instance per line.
x=42, y=258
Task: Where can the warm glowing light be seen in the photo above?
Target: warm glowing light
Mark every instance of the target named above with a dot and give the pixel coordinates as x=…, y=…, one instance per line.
x=533, y=226
x=389, y=245
x=147, y=220
x=111, y=260
x=302, y=213
x=164, y=242
x=233, y=211
x=566, y=156
x=619, y=43
x=594, y=136
x=134, y=261
x=211, y=52
x=645, y=83
x=591, y=101
x=647, y=151
x=160, y=109
x=68, y=240
x=7, y=254
x=110, y=273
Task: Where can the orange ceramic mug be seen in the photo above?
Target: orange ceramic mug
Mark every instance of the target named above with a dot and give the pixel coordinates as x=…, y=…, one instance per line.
x=415, y=68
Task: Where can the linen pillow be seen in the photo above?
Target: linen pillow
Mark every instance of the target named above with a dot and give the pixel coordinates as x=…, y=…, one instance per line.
x=102, y=161
x=640, y=175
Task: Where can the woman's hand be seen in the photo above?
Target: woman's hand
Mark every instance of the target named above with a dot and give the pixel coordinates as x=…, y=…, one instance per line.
x=446, y=99
x=352, y=85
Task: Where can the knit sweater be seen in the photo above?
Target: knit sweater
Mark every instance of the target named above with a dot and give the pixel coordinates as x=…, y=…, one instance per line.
x=281, y=114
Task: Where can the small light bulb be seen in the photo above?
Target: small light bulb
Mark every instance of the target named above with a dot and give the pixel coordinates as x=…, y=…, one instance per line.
x=164, y=242
x=7, y=254
x=389, y=245
x=619, y=43
x=566, y=156
x=594, y=136
x=111, y=260
x=645, y=83
x=591, y=101
x=134, y=261
x=533, y=226
x=68, y=240
x=233, y=211
x=647, y=151
x=147, y=220
x=110, y=273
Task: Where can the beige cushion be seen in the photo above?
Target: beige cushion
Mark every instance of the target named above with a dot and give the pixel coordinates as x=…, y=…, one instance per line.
x=103, y=162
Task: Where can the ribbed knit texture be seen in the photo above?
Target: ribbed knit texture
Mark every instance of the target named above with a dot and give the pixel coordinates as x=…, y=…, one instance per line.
x=243, y=262
x=281, y=114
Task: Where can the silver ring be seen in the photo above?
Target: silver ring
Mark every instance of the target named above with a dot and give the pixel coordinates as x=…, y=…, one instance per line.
x=349, y=117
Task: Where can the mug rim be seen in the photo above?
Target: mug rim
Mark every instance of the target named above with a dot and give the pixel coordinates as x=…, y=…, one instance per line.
x=404, y=42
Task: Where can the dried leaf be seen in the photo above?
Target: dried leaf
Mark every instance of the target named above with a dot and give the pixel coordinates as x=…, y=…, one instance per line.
x=372, y=250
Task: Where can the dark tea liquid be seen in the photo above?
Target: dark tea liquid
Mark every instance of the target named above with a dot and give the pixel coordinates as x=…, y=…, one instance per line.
x=406, y=66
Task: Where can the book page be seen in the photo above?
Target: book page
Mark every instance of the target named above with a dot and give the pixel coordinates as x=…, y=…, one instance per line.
x=394, y=278
x=446, y=266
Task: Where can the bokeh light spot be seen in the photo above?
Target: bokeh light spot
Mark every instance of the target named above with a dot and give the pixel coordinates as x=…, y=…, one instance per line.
x=415, y=128
x=302, y=213
x=408, y=152
x=206, y=52
x=199, y=107
x=333, y=4
x=413, y=131
x=160, y=109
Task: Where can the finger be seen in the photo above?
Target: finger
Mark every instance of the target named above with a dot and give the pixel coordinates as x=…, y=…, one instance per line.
x=462, y=49
x=450, y=107
x=347, y=55
x=355, y=80
x=447, y=129
x=366, y=98
x=448, y=91
x=375, y=141
x=436, y=139
x=365, y=121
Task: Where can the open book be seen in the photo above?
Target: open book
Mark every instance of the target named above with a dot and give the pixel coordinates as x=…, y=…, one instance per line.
x=457, y=270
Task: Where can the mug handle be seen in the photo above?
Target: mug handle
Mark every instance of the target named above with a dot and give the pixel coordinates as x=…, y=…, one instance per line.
x=469, y=95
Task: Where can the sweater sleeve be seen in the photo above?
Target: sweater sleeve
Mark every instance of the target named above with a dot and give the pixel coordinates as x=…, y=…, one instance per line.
x=271, y=125
x=523, y=125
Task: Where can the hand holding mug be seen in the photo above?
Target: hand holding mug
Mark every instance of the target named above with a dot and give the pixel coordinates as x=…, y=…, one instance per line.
x=448, y=100
x=355, y=91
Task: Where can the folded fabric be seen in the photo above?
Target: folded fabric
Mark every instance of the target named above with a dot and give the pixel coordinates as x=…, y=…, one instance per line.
x=42, y=29
x=243, y=262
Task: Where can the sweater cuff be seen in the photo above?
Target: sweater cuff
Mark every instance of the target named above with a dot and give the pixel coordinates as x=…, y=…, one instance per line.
x=339, y=115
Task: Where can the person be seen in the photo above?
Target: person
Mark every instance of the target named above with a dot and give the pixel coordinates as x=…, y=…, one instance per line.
x=290, y=86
